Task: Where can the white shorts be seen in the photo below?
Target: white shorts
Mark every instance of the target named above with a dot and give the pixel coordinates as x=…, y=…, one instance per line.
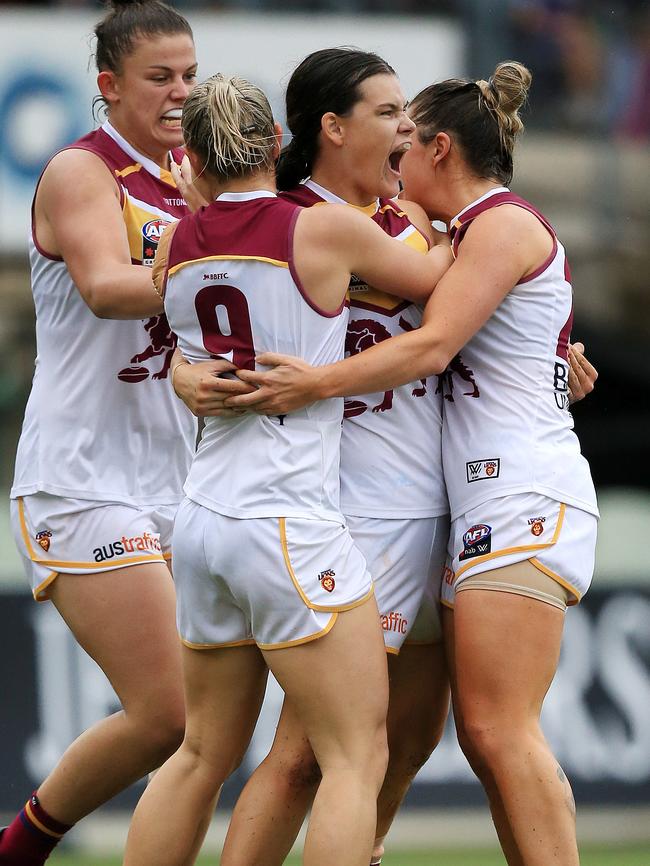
x=405, y=558
x=558, y=539
x=78, y=536
x=272, y=581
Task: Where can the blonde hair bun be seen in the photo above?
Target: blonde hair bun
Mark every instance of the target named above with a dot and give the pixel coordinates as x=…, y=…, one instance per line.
x=504, y=94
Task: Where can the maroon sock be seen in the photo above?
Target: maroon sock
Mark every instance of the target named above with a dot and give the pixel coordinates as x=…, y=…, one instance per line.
x=31, y=837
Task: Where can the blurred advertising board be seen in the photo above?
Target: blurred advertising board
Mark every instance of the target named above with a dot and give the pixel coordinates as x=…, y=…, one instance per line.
x=595, y=716
x=47, y=76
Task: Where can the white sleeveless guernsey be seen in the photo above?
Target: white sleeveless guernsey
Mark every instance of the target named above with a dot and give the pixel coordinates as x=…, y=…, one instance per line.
x=232, y=292
x=391, y=463
x=506, y=422
x=102, y=421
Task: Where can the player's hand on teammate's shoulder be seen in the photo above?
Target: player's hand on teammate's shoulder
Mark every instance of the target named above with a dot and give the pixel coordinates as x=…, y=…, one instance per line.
x=201, y=386
x=582, y=374
x=182, y=175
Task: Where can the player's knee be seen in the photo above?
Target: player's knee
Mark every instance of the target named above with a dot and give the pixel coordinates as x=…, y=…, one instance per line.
x=162, y=728
x=167, y=737
x=303, y=772
x=378, y=756
x=405, y=759
x=484, y=742
x=411, y=745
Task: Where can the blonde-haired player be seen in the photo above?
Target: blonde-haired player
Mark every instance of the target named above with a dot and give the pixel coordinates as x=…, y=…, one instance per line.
x=523, y=505
x=266, y=572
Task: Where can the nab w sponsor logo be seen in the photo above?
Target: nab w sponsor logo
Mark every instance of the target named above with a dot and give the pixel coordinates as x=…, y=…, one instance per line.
x=478, y=470
x=477, y=541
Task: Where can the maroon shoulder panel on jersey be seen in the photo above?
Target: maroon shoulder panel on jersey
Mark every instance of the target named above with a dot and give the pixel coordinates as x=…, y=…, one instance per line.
x=138, y=182
x=257, y=228
x=301, y=195
x=390, y=218
x=458, y=229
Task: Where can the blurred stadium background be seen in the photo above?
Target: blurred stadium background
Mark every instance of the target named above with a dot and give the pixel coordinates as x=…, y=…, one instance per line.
x=585, y=161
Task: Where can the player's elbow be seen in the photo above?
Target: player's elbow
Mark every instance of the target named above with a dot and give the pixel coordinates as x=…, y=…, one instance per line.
x=433, y=354
x=436, y=361
x=97, y=299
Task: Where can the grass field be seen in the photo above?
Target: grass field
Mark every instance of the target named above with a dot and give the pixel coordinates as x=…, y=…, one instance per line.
x=590, y=856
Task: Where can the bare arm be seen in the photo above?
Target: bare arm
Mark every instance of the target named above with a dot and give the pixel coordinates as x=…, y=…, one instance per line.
x=333, y=241
x=78, y=217
x=324, y=268
x=496, y=252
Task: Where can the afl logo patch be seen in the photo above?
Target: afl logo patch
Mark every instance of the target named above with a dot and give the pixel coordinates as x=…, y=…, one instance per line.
x=43, y=538
x=151, y=233
x=327, y=579
x=477, y=541
x=152, y=230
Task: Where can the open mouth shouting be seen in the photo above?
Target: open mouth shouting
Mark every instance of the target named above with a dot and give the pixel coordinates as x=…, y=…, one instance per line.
x=172, y=119
x=395, y=158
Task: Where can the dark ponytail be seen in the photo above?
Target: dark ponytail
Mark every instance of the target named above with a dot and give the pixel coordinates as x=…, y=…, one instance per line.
x=294, y=165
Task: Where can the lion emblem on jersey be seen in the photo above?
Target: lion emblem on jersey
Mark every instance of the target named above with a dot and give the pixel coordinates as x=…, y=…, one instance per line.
x=361, y=335
x=162, y=342
x=456, y=369
x=327, y=579
x=43, y=538
x=537, y=525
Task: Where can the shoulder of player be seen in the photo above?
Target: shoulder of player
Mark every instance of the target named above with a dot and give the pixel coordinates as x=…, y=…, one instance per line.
x=507, y=226
x=507, y=240
x=331, y=221
x=76, y=169
x=417, y=217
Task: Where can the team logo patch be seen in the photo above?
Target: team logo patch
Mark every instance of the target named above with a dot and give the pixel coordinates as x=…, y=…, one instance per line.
x=151, y=233
x=43, y=538
x=536, y=525
x=477, y=470
x=327, y=579
x=477, y=541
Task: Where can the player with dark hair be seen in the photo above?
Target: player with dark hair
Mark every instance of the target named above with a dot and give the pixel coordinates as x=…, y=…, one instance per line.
x=523, y=505
x=105, y=447
x=345, y=111
x=267, y=574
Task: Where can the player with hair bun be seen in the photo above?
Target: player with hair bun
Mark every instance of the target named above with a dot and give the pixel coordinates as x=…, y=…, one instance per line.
x=349, y=131
x=267, y=574
x=105, y=445
x=523, y=505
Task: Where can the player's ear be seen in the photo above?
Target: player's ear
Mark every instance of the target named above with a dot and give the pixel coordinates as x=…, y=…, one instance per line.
x=109, y=86
x=440, y=147
x=277, y=146
x=196, y=162
x=331, y=128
